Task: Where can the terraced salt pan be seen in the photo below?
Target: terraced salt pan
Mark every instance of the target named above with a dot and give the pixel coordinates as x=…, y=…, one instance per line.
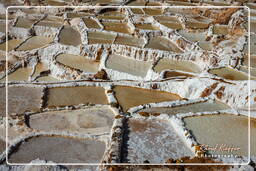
x=229, y=73
x=118, y=27
x=20, y=100
x=128, y=65
x=130, y=41
x=91, y=23
x=169, y=21
x=186, y=66
x=49, y=24
x=66, y=96
x=112, y=16
x=93, y=120
x=153, y=11
x=78, y=62
x=221, y=29
x=21, y=74
x=129, y=97
x=11, y=44
x=199, y=23
x=35, y=42
x=100, y=38
x=229, y=130
x=47, y=79
x=146, y=26
x=59, y=150
x=69, y=36
x=25, y=23
x=169, y=74
x=153, y=140
x=162, y=43
x=197, y=107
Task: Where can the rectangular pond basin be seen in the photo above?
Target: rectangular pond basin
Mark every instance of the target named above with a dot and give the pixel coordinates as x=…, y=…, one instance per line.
x=20, y=100
x=153, y=140
x=91, y=120
x=67, y=96
x=78, y=62
x=227, y=130
x=187, y=66
x=128, y=65
x=197, y=107
x=58, y=150
x=129, y=97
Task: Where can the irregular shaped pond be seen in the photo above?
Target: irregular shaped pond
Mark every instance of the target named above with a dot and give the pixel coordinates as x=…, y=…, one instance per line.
x=35, y=42
x=11, y=44
x=59, y=150
x=130, y=96
x=93, y=120
x=197, y=107
x=69, y=36
x=162, y=43
x=78, y=62
x=66, y=96
x=128, y=65
x=153, y=140
x=20, y=100
x=186, y=66
x=100, y=38
x=230, y=130
x=229, y=73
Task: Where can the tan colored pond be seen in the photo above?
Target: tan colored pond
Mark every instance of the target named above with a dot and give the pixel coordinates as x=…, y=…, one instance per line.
x=169, y=74
x=153, y=140
x=197, y=107
x=59, y=150
x=25, y=23
x=137, y=11
x=130, y=96
x=11, y=44
x=78, y=62
x=20, y=100
x=130, y=41
x=47, y=79
x=193, y=36
x=186, y=66
x=162, y=43
x=229, y=73
x=66, y=96
x=221, y=29
x=69, y=36
x=146, y=26
x=100, y=38
x=230, y=130
x=21, y=74
x=201, y=23
x=49, y=24
x=91, y=23
x=112, y=15
x=169, y=21
x=153, y=11
x=35, y=42
x=128, y=65
x=92, y=120
x=117, y=27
